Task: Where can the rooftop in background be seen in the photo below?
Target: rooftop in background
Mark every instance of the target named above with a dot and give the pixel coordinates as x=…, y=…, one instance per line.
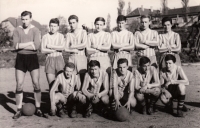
x=193, y=10
x=142, y=11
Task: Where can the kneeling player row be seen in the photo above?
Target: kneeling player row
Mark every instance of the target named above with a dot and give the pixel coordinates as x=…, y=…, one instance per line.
x=123, y=89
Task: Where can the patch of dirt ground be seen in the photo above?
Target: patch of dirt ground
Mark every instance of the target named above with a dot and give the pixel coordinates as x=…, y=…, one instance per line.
x=159, y=120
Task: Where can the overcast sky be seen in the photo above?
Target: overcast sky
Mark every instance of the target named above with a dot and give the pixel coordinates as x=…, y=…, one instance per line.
x=86, y=10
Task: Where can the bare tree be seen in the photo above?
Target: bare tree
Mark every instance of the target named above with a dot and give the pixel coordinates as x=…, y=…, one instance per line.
x=108, y=23
x=129, y=9
x=185, y=4
x=164, y=6
x=121, y=7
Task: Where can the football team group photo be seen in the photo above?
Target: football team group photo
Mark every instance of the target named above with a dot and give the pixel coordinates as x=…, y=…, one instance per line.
x=113, y=74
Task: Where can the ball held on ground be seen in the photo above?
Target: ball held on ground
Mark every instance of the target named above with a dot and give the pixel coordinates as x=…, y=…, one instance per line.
x=28, y=109
x=122, y=114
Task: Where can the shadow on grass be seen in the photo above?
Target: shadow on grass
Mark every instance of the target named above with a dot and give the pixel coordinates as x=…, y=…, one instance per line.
x=194, y=104
x=28, y=97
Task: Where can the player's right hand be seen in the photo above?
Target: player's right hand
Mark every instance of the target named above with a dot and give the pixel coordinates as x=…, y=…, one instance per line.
x=117, y=105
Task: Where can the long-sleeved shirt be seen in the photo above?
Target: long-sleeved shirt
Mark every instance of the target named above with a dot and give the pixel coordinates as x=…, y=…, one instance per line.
x=33, y=35
x=102, y=40
x=150, y=35
x=56, y=39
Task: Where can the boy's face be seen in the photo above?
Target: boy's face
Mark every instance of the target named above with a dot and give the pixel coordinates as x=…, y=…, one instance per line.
x=73, y=24
x=94, y=71
x=122, y=68
x=145, y=22
x=53, y=27
x=169, y=64
x=145, y=67
x=99, y=25
x=69, y=72
x=26, y=21
x=167, y=26
x=121, y=24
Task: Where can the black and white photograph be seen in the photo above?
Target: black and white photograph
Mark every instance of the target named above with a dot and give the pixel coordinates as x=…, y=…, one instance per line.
x=99, y=64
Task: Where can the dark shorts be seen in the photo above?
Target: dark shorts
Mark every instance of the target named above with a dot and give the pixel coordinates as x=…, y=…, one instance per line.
x=27, y=62
x=174, y=90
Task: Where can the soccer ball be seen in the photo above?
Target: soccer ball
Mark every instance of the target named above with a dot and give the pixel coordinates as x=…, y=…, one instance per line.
x=28, y=109
x=122, y=114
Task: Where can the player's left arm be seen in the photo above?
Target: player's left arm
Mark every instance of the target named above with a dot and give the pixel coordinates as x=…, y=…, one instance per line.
x=58, y=47
x=155, y=77
x=78, y=82
x=154, y=42
x=37, y=39
x=83, y=43
x=105, y=85
x=107, y=44
x=184, y=80
x=132, y=41
x=177, y=47
x=132, y=89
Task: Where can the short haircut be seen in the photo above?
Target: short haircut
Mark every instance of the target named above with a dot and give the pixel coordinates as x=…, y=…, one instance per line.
x=94, y=63
x=70, y=65
x=144, y=60
x=165, y=19
x=73, y=17
x=121, y=61
x=25, y=13
x=121, y=18
x=99, y=19
x=145, y=16
x=55, y=21
x=170, y=57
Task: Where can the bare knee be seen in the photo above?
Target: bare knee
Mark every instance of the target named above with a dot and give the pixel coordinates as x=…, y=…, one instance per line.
x=105, y=99
x=60, y=97
x=157, y=92
x=140, y=97
x=182, y=89
x=133, y=102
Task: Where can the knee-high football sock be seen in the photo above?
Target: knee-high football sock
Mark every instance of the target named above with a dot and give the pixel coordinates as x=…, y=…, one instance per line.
x=19, y=98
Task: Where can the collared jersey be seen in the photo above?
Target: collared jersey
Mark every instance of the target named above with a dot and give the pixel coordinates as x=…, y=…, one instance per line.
x=32, y=35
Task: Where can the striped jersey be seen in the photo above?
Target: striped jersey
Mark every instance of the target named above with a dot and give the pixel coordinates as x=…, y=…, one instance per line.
x=149, y=76
x=123, y=37
x=68, y=87
x=92, y=86
x=148, y=34
x=176, y=74
x=171, y=40
x=78, y=38
x=56, y=39
x=121, y=84
x=101, y=39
